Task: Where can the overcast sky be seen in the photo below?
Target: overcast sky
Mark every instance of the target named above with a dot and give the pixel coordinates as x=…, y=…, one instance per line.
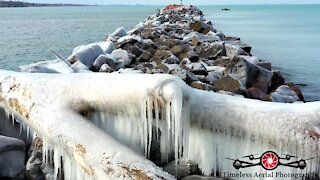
x=163, y=2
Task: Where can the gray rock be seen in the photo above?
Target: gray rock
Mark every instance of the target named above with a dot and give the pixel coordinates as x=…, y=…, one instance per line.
x=250, y=75
x=284, y=94
x=12, y=158
x=145, y=56
x=86, y=55
x=120, y=32
x=106, y=68
x=104, y=59
x=183, y=74
x=193, y=56
x=121, y=54
x=172, y=60
x=33, y=167
x=79, y=67
x=181, y=170
x=108, y=47
x=212, y=51
x=233, y=50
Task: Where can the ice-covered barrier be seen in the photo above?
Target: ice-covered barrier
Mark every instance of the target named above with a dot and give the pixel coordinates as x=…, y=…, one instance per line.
x=101, y=125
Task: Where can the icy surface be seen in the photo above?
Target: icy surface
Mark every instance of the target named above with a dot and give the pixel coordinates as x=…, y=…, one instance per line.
x=55, y=66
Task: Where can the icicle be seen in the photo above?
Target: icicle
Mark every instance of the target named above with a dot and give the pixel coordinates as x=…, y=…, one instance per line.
x=150, y=118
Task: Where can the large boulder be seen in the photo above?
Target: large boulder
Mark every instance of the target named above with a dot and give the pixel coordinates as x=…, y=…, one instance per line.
x=120, y=32
x=104, y=59
x=233, y=50
x=121, y=54
x=79, y=67
x=284, y=94
x=108, y=47
x=230, y=83
x=183, y=74
x=200, y=27
x=276, y=81
x=12, y=158
x=297, y=90
x=250, y=75
x=212, y=50
x=86, y=54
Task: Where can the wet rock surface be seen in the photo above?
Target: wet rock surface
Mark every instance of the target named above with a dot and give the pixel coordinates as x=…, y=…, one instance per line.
x=12, y=158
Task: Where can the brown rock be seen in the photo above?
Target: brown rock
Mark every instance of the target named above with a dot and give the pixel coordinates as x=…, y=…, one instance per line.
x=297, y=90
x=265, y=65
x=160, y=56
x=213, y=51
x=230, y=83
x=136, y=51
x=201, y=85
x=145, y=56
x=256, y=93
x=195, y=41
x=276, y=81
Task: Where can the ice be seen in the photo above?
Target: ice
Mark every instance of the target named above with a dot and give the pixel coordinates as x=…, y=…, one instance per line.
x=55, y=66
x=86, y=54
x=137, y=109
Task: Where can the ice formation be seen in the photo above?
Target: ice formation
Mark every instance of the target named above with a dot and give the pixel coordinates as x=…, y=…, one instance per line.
x=137, y=109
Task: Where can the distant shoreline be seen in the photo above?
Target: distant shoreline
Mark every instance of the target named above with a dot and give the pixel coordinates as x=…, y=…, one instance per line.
x=13, y=4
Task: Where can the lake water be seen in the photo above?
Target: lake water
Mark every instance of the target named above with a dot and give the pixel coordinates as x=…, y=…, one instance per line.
x=286, y=35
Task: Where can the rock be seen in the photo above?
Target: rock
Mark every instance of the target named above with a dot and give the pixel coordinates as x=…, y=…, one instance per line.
x=193, y=56
x=120, y=32
x=251, y=59
x=198, y=177
x=183, y=74
x=242, y=45
x=231, y=83
x=145, y=56
x=284, y=94
x=197, y=68
x=250, y=75
x=150, y=34
x=233, y=50
x=172, y=60
x=256, y=93
x=195, y=41
x=297, y=90
x=105, y=68
x=229, y=38
x=33, y=167
x=104, y=59
x=200, y=27
x=213, y=76
x=222, y=61
x=135, y=50
x=121, y=54
x=201, y=85
x=163, y=68
x=213, y=51
x=276, y=81
x=86, y=55
x=12, y=158
x=209, y=38
x=108, y=47
x=182, y=170
x=265, y=65
x=129, y=39
x=179, y=49
x=79, y=67
x=161, y=55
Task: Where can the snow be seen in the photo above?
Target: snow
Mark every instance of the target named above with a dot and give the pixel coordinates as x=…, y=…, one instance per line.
x=197, y=126
x=86, y=54
x=120, y=32
x=55, y=66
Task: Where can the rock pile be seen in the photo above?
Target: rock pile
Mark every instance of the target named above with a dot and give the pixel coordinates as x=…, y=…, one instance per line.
x=178, y=41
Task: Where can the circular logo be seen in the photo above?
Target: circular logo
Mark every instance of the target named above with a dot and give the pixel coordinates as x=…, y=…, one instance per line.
x=269, y=160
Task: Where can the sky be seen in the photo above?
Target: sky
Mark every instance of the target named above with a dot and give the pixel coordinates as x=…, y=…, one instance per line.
x=164, y=2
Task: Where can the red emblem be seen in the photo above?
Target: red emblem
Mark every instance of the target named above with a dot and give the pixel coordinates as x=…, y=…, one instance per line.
x=269, y=160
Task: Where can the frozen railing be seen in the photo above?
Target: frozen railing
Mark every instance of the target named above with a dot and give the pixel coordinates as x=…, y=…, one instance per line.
x=137, y=110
